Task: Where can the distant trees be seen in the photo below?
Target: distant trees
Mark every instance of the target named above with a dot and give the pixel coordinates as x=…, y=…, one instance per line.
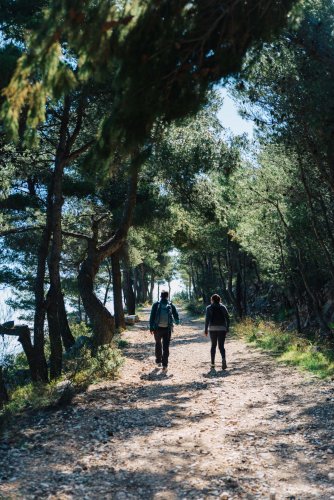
x=288, y=222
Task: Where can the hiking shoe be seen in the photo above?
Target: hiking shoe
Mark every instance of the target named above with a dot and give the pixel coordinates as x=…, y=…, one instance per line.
x=159, y=365
x=224, y=365
x=164, y=369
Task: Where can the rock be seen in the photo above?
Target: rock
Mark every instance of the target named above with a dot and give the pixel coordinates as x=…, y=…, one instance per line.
x=130, y=319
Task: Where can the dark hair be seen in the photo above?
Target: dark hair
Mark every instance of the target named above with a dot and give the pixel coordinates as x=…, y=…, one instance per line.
x=164, y=294
x=216, y=298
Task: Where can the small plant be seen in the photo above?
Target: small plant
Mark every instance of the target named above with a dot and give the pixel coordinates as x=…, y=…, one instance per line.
x=122, y=344
x=289, y=347
x=80, y=330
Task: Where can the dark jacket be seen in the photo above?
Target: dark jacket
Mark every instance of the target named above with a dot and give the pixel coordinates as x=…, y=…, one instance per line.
x=214, y=319
x=155, y=315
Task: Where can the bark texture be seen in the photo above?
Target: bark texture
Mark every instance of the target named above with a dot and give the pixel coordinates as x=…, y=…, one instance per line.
x=102, y=322
x=117, y=291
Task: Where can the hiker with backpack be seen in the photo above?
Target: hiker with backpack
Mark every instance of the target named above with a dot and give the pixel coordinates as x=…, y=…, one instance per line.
x=163, y=315
x=217, y=322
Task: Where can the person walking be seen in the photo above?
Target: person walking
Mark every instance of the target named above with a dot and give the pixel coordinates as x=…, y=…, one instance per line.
x=163, y=315
x=217, y=323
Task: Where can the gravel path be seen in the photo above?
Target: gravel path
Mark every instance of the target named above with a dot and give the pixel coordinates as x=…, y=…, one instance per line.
x=258, y=430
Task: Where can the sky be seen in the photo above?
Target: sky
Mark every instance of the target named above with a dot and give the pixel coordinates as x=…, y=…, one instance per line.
x=230, y=118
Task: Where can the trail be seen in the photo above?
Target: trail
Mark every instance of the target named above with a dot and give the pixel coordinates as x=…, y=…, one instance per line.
x=258, y=430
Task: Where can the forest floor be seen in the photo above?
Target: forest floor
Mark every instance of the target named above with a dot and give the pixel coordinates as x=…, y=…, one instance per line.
x=257, y=430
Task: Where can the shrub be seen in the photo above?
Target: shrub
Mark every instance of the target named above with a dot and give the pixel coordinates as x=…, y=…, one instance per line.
x=195, y=307
x=80, y=370
x=290, y=347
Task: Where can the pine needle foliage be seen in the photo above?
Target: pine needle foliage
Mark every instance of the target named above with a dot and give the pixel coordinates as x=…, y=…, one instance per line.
x=159, y=58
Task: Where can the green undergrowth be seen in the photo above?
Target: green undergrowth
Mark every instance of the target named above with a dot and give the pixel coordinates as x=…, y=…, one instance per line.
x=80, y=369
x=289, y=347
x=195, y=308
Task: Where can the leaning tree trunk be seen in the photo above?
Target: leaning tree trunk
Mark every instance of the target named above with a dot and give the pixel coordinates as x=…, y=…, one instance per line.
x=117, y=291
x=102, y=322
x=23, y=334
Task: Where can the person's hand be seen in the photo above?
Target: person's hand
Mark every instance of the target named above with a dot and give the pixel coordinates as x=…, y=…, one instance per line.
x=206, y=334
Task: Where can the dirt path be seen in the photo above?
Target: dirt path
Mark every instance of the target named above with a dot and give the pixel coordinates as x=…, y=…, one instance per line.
x=258, y=430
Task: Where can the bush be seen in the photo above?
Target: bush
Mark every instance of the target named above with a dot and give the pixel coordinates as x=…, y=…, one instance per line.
x=180, y=297
x=79, y=370
x=30, y=397
x=195, y=307
x=87, y=368
x=80, y=330
x=290, y=347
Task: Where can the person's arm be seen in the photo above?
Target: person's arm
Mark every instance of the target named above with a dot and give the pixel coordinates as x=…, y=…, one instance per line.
x=175, y=314
x=207, y=319
x=152, y=316
x=227, y=316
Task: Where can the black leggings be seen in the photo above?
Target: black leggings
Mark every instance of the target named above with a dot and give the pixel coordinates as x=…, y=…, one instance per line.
x=220, y=338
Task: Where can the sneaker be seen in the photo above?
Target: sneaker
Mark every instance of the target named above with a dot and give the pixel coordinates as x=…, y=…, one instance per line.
x=164, y=369
x=159, y=365
x=224, y=365
x=213, y=366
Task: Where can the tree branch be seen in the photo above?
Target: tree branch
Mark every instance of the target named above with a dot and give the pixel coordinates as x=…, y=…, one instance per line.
x=76, y=235
x=79, y=151
x=17, y=230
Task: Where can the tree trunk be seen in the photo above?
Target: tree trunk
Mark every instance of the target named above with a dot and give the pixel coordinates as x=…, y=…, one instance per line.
x=314, y=221
x=54, y=298
x=105, y=300
x=150, y=295
x=238, y=294
x=117, y=291
x=79, y=309
x=128, y=282
x=101, y=320
x=296, y=308
x=40, y=303
x=28, y=349
x=129, y=294
x=226, y=294
x=23, y=334
x=56, y=347
x=66, y=334
x=4, y=398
